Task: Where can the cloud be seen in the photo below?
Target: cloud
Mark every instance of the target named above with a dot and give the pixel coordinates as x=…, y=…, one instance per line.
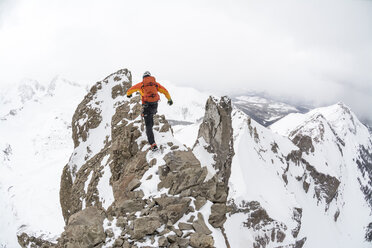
x=318, y=51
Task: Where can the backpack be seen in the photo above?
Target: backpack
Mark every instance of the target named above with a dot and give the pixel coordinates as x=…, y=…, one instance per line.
x=150, y=90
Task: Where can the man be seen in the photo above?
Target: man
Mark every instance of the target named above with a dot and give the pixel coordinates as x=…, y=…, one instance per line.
x=149, y=89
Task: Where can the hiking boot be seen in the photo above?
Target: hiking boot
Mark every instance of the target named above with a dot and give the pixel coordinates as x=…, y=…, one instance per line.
x=154, y=147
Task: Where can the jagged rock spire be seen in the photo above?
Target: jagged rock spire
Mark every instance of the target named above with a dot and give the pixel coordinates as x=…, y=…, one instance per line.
x=216, y=130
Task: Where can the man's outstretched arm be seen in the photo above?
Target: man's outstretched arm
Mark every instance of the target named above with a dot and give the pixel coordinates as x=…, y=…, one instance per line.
x=164, y=91
x=134, y=88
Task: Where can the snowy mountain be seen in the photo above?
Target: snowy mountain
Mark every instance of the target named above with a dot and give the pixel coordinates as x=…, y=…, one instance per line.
x=220, y=179
x=312, y=180
x=35, y=143
x=265, y=110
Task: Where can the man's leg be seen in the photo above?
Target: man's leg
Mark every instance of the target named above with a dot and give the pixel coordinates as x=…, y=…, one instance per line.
x=149, y=122
x=148, y=112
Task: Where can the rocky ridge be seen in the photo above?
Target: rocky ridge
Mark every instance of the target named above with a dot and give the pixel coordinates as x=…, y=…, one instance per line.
x=116, y=193
x=173, y=211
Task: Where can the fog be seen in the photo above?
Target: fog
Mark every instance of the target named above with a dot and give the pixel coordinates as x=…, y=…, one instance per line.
x=312, y=51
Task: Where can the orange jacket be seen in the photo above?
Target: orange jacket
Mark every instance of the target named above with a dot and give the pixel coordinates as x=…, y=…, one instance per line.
x=139, y=87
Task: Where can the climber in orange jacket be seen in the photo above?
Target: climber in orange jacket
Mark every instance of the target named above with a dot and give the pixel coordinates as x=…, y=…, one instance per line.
x=149, y=89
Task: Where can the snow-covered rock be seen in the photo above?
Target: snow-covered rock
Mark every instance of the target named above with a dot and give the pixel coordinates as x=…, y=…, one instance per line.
x=155, y=195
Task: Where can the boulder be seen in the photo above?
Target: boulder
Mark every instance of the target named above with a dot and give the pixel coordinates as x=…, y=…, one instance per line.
x=145, y=226
x=199, y=240
x=200, y=202
x=173, y=207
x=85, y=229
x=185, y=226
x=129, y=206
x=218, y=215
x=200, y=226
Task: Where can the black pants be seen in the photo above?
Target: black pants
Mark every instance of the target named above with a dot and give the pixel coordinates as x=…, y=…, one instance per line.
x=149, y=110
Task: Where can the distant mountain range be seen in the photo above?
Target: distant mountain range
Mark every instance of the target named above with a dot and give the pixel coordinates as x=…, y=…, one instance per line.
x=265, y=109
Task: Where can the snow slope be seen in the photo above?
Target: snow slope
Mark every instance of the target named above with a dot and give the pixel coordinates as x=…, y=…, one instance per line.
x=337, y=136
x=35, y=129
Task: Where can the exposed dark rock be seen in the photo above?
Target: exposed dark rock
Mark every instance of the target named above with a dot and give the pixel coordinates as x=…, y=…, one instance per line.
x=65, y=193
x=325, y=186
x=305, y=186
x=261, y=241
x=258, y=219
x=300, y=243
x=25, y=241
x=274, y=147
x=304, y=142
x=297, y=216
x=337, y=214
x=285, y=178
x=7, y=152
x=368, y=235
x=365, y=166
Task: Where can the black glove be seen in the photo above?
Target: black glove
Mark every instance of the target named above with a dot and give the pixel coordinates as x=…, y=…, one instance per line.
x=170, y=102
x=129, y=96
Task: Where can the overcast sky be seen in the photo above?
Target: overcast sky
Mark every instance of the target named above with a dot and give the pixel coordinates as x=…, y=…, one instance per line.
x=318, y=51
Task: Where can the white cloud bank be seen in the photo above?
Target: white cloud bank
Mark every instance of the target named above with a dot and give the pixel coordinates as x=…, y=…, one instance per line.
x=319, y=50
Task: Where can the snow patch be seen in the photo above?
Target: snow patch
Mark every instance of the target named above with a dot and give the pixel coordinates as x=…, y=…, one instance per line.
x=105, y=192
x=206, y=159
x=111, y=227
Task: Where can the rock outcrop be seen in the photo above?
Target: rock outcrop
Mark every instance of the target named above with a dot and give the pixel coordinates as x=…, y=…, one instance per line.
x=216, y=130
x=114, y=192
x=216, y=137
x=84, y=229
